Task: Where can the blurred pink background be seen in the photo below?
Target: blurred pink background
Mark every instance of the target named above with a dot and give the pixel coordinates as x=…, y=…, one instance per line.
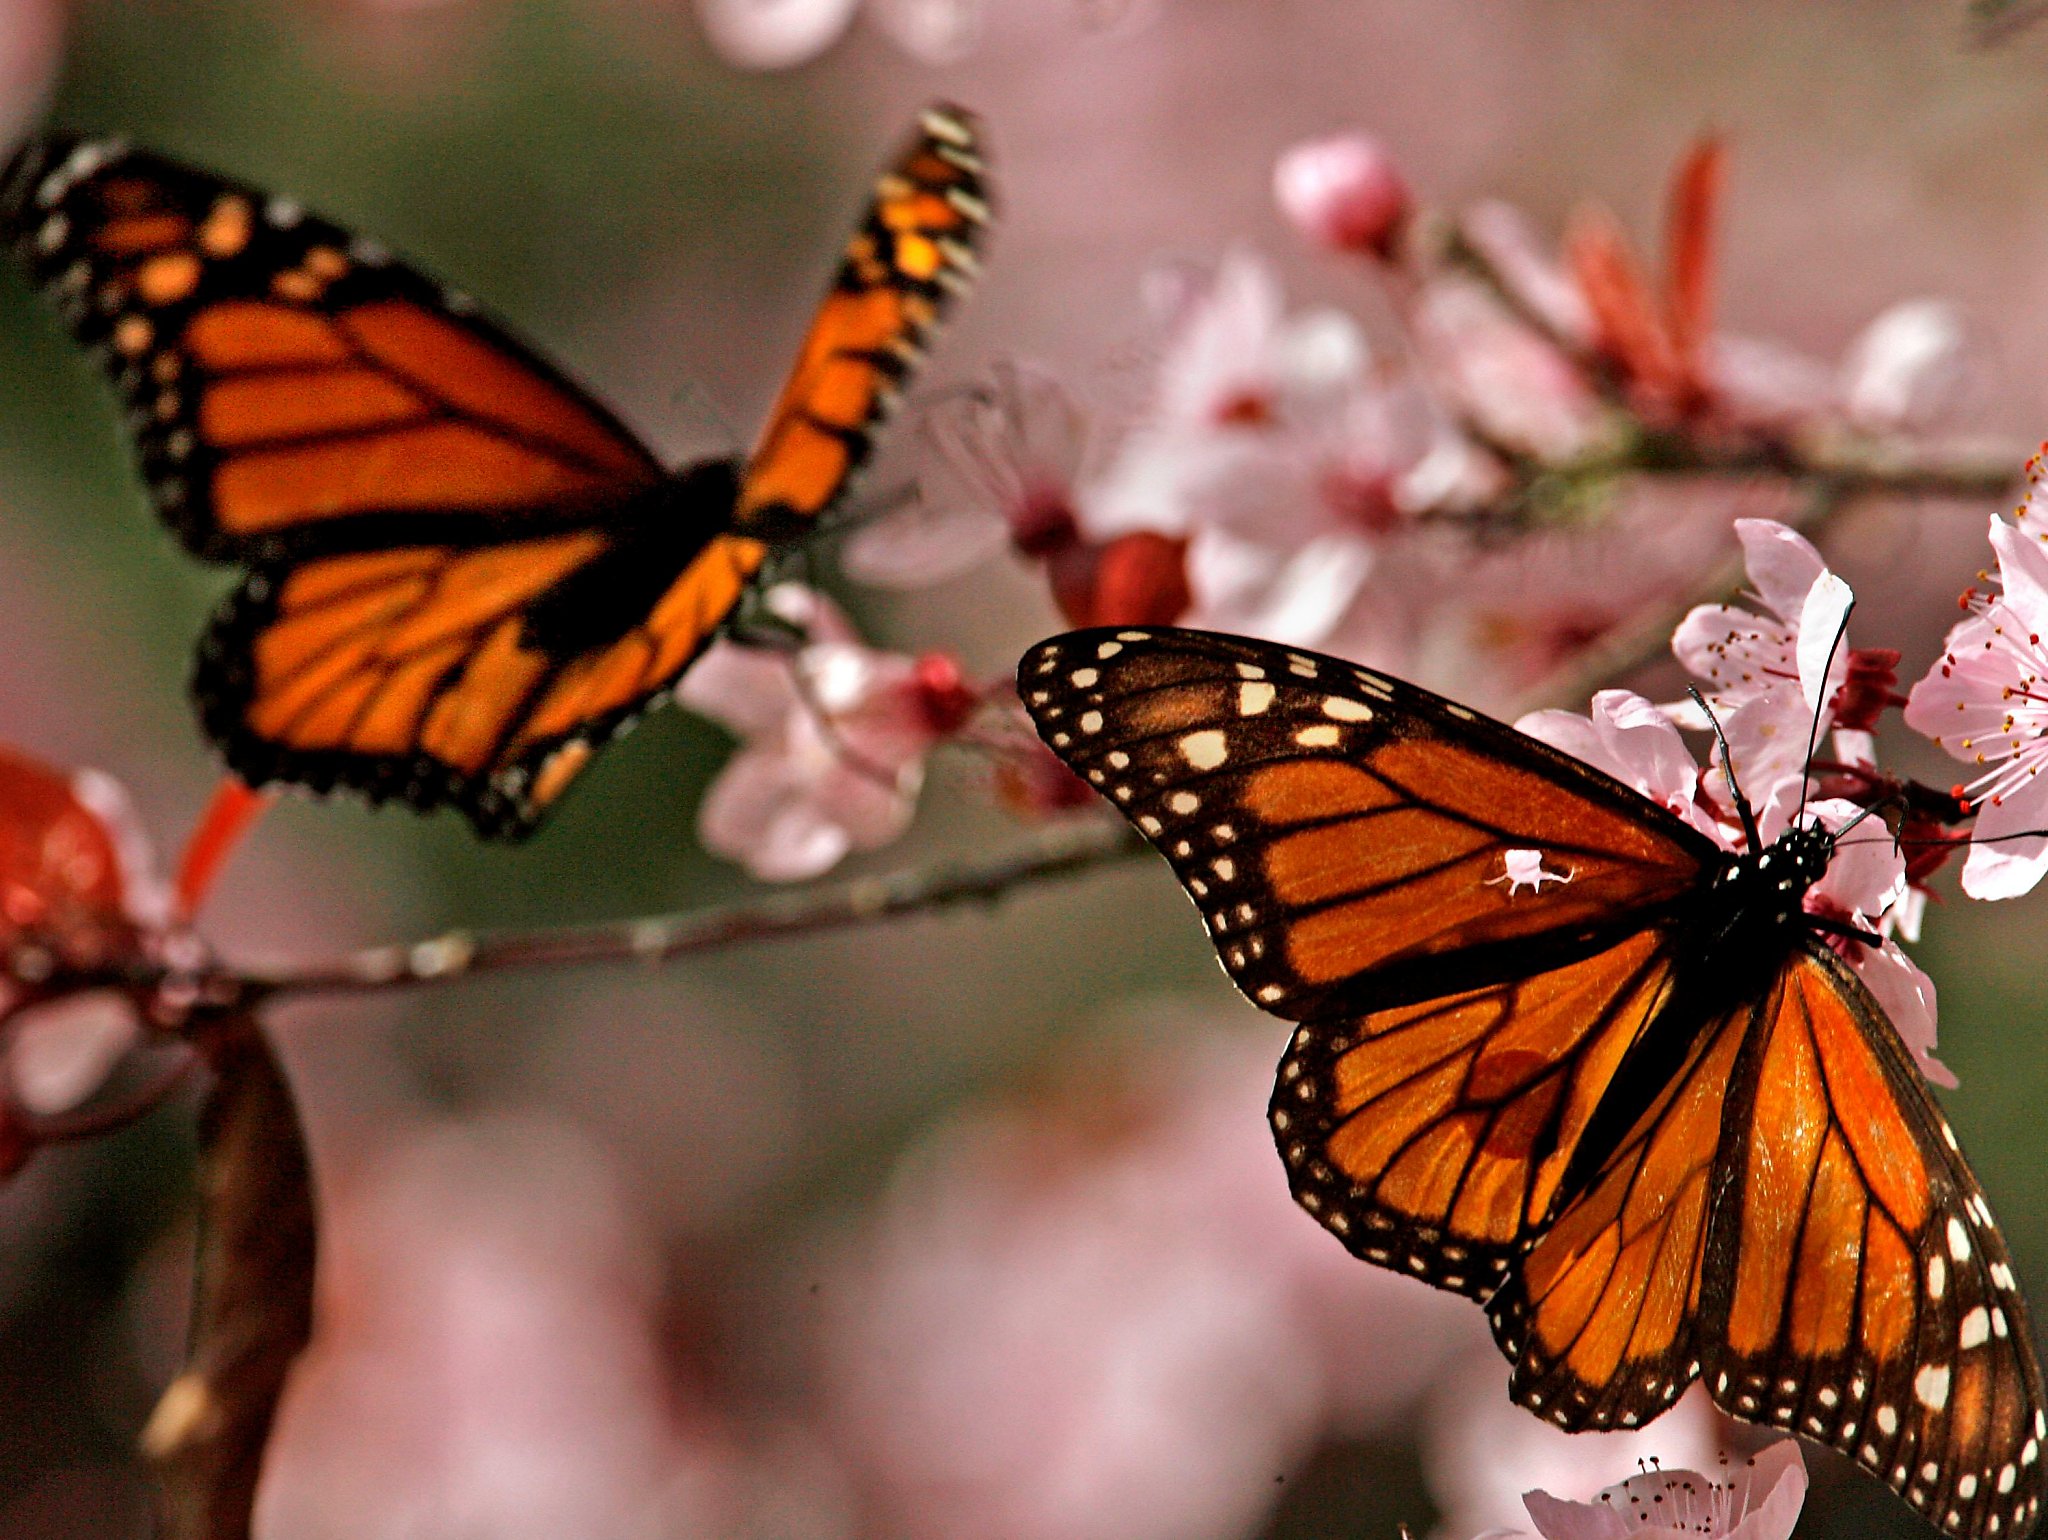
x=968, y=1223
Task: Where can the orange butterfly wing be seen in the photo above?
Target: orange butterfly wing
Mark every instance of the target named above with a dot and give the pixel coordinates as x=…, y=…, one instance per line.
x=452, y=674
x=1601, y=1314
x=914, y=251
x=1858, y=1290
x=1432, y=1138
x=1344, y=834
x=293, y=388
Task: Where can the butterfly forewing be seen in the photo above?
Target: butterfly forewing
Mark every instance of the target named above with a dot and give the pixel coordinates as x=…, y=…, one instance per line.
x=1346, y=836
x=915, y=250
x=290, y=387
x=1859, y=1292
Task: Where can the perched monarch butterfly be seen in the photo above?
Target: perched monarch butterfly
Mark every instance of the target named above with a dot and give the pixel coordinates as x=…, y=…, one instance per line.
x=464, y=574
x=1645, y=1114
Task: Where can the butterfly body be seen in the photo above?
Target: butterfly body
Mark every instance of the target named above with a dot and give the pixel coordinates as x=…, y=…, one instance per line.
x=1559, y=1051
x=1729, y=942
x=464, y=574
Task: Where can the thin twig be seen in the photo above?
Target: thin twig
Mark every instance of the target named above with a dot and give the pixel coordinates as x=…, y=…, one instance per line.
x=1062, y=849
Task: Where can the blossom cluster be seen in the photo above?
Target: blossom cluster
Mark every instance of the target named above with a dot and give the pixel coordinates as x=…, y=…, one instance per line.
x=1550, y=446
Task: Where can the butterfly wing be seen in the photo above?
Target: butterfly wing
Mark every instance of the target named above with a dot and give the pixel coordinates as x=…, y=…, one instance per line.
x=293, y=389
x=1858, y=1290
x=914, y=251
x=1601, y=1314
x=1431, y=1138
x=482, y=677
x=1345, y=835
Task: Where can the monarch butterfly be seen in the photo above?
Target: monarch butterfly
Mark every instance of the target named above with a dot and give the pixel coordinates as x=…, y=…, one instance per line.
x=463, y=573
x=1645, y=1114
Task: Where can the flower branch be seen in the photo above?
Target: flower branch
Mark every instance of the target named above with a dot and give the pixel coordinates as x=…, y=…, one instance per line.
x=1062, y=849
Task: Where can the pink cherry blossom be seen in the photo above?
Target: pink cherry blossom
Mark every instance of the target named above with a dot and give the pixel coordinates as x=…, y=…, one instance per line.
x=60, y=1052
x=1908, y=367
x=1343, y=191
x=833, y=741
x=1294, y=467
x=1263, y=449
x=1772, y=677
x=1510, y=380
x=1757, y=1498
x=1636, y=743
x=1007, y=460
x=1505, y=619
x=1984, y=702
x=1530, y=273
x=1481, y=1452
x=1865, y=884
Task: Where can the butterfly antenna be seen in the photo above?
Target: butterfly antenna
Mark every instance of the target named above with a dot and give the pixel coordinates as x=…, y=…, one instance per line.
x=1874, y=807
x=1742, y=808
x=1820, y=706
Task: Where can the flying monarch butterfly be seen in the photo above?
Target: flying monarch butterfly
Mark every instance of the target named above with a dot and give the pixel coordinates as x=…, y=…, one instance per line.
x=1644, y=1114
x=464, y=574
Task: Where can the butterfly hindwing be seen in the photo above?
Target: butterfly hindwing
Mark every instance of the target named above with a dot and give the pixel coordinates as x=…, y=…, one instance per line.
x=1344, y=835
x=1858, y=1290
x=292, y=388
x=1431, y=1138
x=426, y=673
x=1601, y=1315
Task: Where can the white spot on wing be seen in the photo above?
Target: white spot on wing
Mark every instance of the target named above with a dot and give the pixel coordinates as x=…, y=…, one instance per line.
x=1318, y=737
x=1253, y=698
x=1345, y=710
x=1976, y=1329
x=1930, y=1387
x=1204, y=750
x=1958, y=1240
